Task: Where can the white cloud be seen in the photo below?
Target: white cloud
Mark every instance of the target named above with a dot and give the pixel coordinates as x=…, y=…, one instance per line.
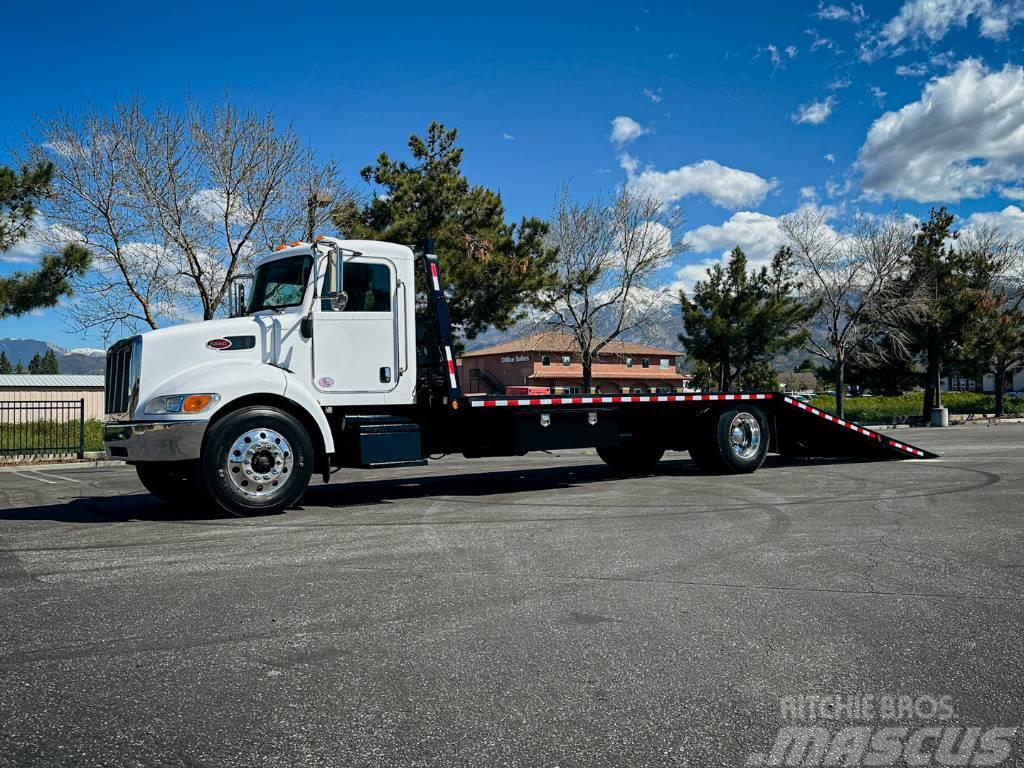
x=791, y=51
x=808, y=194
x=1012, y=193
x=815, y=113
x=626, y=129
x=839, y=84
x=1009, y=221
x=725, y=187
x=817, y=41
x=855, y=13
x=931, y=20
x=211, y=203
x=831, y=158
x=655, y=95
x=773, y=53
x=41, y=238
x=758, y=234
x=961, y=138
x=878, y=95
x=508, y=137
x=917, y=69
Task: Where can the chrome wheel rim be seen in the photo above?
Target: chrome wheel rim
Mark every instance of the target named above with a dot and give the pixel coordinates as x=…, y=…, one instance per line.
x=260, y=462
x=745, y=435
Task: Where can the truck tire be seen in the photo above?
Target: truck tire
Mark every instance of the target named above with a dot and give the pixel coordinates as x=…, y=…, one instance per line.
x=629, y=460
x=257, y=460
x=171, y=481
x=732, y=442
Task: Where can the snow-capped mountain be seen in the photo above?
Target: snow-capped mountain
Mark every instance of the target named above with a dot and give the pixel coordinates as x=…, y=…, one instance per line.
x=79, y=360
x=661, y=329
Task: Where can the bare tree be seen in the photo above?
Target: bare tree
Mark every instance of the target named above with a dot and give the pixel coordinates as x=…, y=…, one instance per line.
x=609, y=253
x=173, y=206
x=995, y=340
x=853, y=276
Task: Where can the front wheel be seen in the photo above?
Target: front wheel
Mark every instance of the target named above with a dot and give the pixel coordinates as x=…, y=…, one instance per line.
x=733, y=441
x=257, y=461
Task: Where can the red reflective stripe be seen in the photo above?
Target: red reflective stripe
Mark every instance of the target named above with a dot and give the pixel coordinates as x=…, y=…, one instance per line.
x=451, y=366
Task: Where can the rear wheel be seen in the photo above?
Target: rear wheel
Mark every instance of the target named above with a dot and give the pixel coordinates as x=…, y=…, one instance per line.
x=172, y=481
x=733, y=441
x=257, y=461
x=629, y=460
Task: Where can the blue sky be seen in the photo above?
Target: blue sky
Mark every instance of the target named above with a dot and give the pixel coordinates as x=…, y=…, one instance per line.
x=738, y=113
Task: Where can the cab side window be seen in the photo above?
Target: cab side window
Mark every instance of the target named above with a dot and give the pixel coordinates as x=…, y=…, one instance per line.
x=368, y=287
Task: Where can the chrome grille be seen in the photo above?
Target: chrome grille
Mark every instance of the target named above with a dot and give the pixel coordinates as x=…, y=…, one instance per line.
x=122, y=376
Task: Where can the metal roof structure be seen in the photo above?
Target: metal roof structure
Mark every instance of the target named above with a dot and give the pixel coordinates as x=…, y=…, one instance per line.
x=49, y=381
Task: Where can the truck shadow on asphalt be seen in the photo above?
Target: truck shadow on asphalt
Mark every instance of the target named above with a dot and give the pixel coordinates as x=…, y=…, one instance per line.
x=340, y=495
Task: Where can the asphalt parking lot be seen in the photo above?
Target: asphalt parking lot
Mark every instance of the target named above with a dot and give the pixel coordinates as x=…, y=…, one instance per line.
x=531, y=611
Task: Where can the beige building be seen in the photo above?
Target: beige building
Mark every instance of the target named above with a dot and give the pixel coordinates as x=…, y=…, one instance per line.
x=28, y=388
x=551, y=360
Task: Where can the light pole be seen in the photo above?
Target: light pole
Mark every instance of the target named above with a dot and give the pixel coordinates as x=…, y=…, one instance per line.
x=316, y=200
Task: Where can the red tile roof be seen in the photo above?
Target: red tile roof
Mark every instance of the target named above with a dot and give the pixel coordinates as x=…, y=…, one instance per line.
x=557, y=342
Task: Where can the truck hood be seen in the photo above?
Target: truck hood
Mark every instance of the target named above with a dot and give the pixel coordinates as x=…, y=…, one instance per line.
x=168, y=354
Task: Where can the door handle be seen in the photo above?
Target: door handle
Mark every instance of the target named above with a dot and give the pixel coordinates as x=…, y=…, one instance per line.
x=403, y=364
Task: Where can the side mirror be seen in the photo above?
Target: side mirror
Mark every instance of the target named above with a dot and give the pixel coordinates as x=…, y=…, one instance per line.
x=236, y=295
x=339, y=301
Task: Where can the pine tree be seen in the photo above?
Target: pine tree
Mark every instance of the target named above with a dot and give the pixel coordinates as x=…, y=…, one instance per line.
x=35, y=365
x=491, y=268
x=5, y=364
x=956, y=284
x=19, y=369
x=737, y=320
x=49, y=363
x=22, y=292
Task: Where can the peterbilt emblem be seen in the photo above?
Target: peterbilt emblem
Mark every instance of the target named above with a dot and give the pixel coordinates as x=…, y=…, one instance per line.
x=219, y=344
x=326, y=382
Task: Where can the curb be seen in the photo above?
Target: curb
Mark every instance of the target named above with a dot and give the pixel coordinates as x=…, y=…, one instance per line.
x=66, y=465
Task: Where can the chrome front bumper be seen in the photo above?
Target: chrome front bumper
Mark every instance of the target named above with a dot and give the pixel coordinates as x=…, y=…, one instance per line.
x=154, y=440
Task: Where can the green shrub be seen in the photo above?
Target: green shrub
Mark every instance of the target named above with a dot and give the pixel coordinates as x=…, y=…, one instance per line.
x=886, y=408
x=35, y=436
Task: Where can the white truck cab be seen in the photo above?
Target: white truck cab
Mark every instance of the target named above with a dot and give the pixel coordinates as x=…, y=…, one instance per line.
x=329, y=324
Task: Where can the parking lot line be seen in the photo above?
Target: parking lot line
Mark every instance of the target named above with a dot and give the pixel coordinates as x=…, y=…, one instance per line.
x=36, y=477
x=59, y=477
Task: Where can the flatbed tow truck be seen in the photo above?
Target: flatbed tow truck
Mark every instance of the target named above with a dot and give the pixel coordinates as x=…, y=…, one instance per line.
x=327, y=367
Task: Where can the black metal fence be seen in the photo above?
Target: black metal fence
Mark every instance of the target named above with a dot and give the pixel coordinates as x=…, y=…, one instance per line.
x=46, y=427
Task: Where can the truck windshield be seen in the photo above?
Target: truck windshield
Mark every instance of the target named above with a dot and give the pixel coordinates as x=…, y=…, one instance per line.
x=281, y=283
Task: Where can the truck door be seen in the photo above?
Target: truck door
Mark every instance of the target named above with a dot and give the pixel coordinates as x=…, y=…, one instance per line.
x=355, y=349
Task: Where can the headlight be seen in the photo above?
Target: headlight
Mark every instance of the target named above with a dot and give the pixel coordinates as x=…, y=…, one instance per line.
x=160, y=406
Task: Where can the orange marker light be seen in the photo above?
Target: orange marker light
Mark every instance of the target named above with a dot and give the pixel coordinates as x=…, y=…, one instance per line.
x=321, y=237
x=281, y=247
x=196, y=403
x=297, y=242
